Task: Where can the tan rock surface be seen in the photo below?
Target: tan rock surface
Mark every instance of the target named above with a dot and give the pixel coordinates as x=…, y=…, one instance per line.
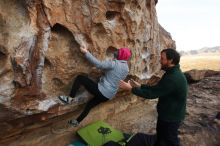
x=40, y=40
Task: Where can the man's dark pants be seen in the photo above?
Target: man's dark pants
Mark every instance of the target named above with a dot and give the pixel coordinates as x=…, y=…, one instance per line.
x=167, y=133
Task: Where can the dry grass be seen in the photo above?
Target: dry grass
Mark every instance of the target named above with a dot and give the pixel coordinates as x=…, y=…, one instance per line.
x=204, y=61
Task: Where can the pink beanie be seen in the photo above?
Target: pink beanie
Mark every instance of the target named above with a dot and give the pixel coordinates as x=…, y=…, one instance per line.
x=124, y=54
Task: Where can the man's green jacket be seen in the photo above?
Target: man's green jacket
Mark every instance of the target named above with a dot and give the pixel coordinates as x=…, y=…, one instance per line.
x=171, y=91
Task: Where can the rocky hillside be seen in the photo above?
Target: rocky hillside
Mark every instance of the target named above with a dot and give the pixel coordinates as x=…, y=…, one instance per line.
x=199, y=128
x=205, y=50
x=40, y=57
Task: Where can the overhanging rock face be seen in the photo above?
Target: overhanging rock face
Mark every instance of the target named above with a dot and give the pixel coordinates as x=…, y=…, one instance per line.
x=40, y=40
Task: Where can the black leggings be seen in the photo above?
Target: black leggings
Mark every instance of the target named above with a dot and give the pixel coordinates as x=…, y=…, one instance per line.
x=90, y=86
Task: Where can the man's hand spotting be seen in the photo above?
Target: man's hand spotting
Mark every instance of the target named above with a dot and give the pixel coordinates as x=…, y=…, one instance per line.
x=126, y=86
x=134, y=83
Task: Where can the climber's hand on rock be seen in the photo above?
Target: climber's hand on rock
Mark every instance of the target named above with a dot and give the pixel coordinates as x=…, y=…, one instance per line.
x=83, y=49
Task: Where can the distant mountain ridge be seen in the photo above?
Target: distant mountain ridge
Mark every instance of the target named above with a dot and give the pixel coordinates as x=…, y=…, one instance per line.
x=205, y=50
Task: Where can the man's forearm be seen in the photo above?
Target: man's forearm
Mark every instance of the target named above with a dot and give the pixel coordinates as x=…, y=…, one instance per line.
x=142, y=92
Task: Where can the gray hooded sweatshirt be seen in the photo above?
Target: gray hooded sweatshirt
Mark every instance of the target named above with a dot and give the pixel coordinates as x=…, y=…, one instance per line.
x=115, y=70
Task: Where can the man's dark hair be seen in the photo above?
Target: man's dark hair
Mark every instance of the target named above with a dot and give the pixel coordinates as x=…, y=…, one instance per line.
x=172, y=54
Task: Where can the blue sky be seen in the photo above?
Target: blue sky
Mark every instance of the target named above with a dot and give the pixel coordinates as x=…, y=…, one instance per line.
x=193, y=24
